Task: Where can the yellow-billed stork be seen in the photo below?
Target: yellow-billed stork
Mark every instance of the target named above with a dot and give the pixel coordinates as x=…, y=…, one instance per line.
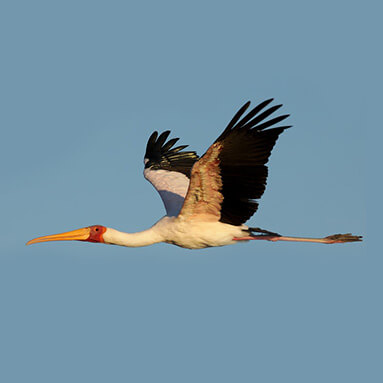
x=207, y=199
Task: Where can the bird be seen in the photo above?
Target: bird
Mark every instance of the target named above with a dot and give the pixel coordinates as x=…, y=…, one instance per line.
x=207, y=199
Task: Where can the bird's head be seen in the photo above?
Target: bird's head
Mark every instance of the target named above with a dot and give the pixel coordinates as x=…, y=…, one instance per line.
x=93, y=233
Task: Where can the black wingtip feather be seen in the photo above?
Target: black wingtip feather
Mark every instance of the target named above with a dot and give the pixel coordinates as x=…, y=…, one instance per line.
x=260, y=117
x=152, y=140
x=169, y=144
x=251, y=120
x=163, y=137
x=272, y=122
x=161, y=155
x=254, y=112
x=238, y=115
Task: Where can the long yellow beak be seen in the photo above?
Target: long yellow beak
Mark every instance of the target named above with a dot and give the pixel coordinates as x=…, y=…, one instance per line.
x=75, y=235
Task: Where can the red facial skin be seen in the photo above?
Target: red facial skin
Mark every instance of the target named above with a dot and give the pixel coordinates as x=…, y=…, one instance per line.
x=96, y=232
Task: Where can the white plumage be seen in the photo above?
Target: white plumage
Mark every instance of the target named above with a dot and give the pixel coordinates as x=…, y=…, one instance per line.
x=188, y=234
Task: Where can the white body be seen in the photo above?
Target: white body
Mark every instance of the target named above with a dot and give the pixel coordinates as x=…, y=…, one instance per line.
x=190, y=234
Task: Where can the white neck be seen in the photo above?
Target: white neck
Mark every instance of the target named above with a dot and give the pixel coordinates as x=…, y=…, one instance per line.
x=142, y=238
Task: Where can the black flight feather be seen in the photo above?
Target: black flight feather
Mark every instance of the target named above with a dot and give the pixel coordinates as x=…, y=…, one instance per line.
x=160, y=155
x=246, y=148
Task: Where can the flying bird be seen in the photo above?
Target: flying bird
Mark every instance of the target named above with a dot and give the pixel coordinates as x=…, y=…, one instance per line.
x=207, y=199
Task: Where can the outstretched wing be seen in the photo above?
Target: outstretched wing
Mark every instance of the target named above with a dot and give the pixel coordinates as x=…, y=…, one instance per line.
x=232, y=174
x=168, y=170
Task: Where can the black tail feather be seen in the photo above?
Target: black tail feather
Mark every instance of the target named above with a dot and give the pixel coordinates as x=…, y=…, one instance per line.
x=253, y=230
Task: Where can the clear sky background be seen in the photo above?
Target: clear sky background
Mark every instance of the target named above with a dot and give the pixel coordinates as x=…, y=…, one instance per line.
x=83, y=84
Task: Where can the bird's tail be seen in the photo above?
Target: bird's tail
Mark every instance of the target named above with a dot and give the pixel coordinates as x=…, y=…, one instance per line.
x=253, y=230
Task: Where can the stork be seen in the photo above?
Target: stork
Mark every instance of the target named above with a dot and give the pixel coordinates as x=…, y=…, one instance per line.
x=207, y=199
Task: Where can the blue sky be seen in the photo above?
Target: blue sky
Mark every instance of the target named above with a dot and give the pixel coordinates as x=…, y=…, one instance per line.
x=83, y=85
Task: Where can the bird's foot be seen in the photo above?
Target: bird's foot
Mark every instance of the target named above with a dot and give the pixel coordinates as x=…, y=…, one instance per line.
x=342, y=238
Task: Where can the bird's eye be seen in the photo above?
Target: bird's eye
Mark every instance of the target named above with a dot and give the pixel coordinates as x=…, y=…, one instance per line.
x=96, y=228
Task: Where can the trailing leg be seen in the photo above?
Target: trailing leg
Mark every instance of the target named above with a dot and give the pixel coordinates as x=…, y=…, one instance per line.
x=335, y=238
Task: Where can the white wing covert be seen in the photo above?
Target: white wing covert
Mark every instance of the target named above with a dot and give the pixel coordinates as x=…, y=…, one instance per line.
x=168, y=170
